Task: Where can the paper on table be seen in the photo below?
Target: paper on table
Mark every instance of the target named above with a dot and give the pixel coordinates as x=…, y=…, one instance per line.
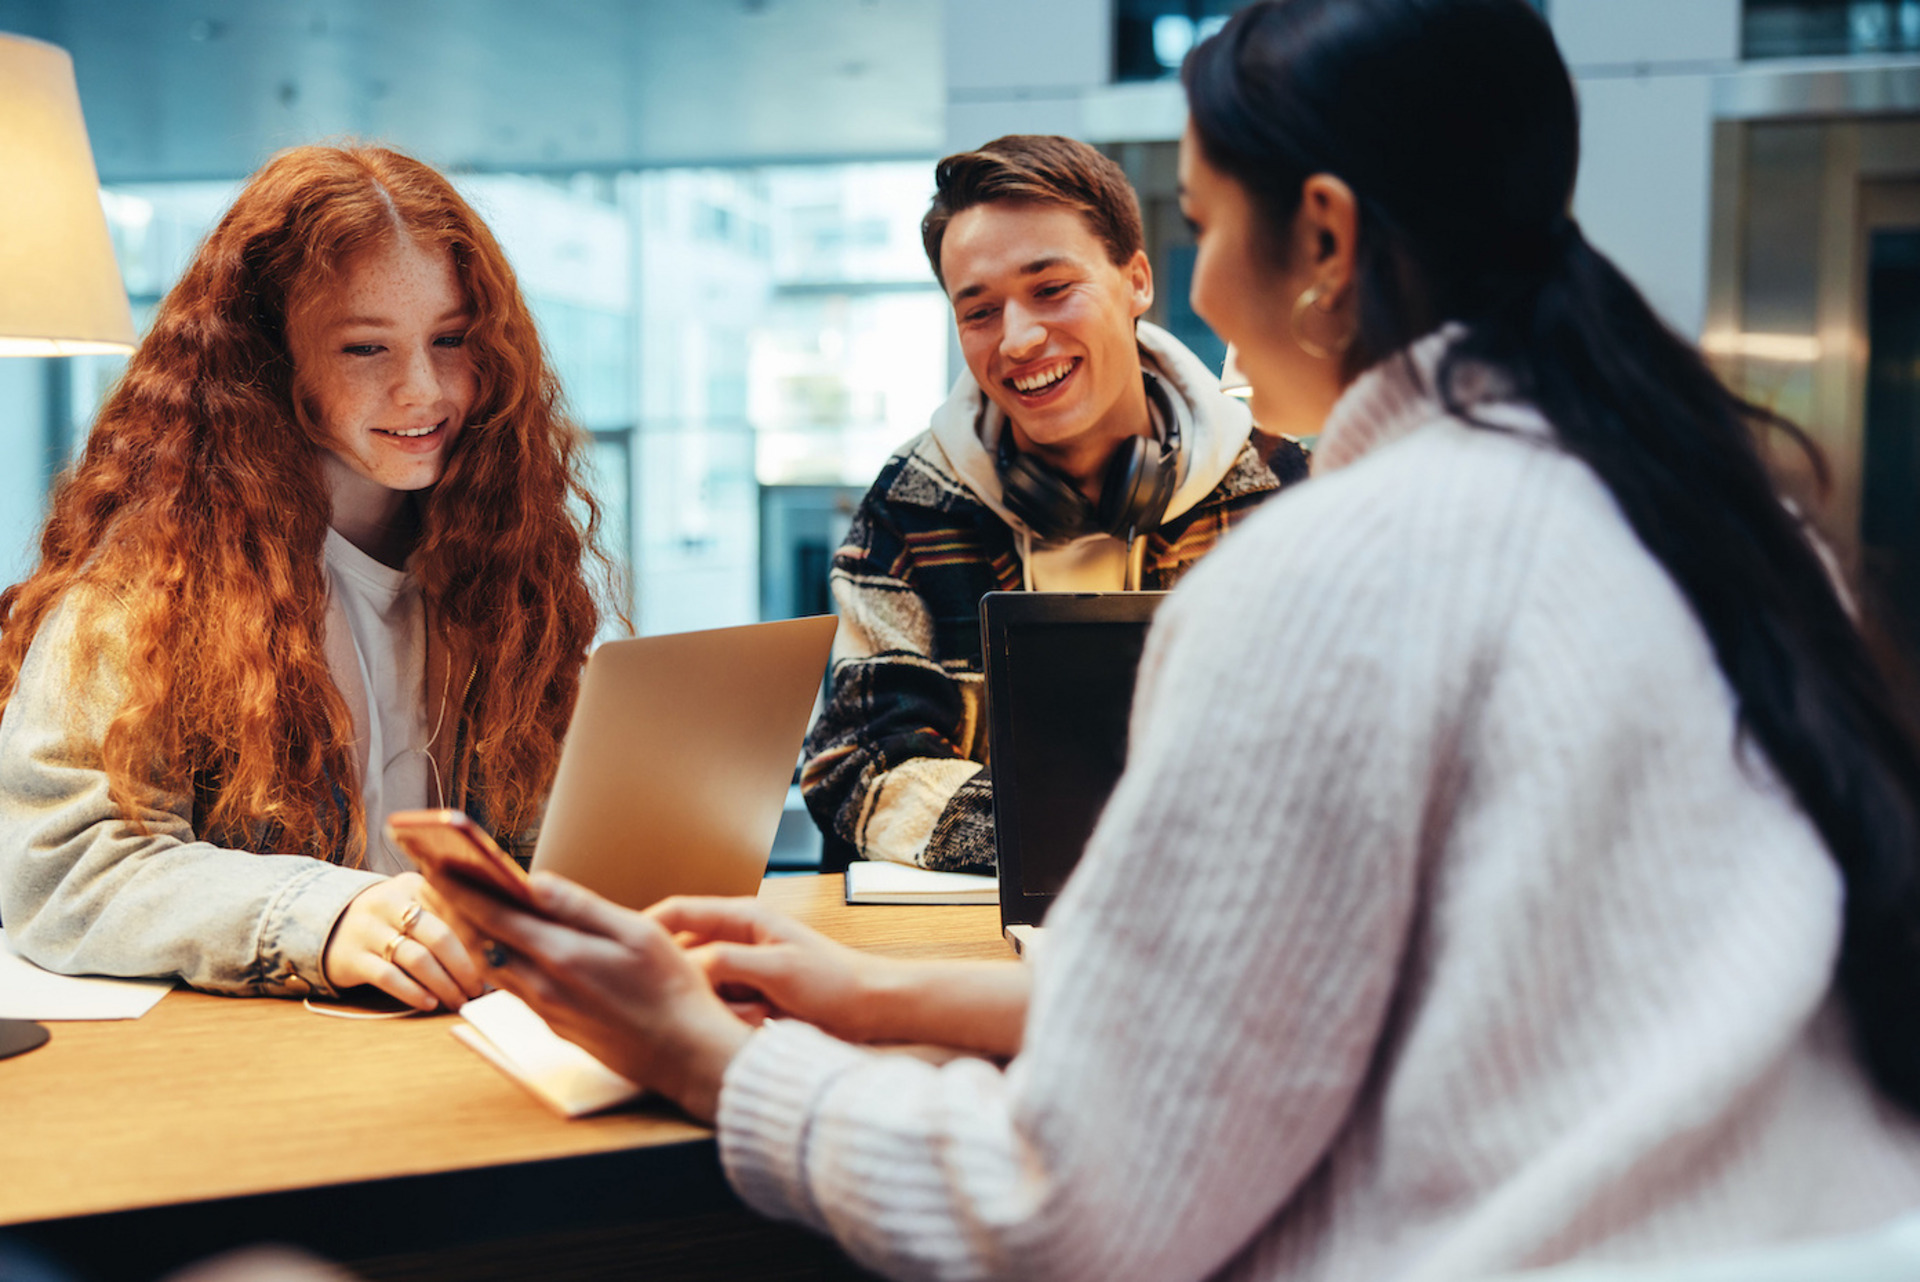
x=507, y=1033
x=880, y=882
x=28, y=992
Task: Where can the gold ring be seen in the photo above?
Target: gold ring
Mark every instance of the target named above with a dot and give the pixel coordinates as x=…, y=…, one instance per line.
x=410, y=917
x=393, y=944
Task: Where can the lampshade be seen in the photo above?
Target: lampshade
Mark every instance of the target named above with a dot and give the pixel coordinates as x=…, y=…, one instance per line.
x=1232, y=381
x=60, y=290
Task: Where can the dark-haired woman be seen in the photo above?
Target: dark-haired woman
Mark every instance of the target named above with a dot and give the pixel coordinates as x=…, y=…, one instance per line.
x=1516, y=856
x=320, y=562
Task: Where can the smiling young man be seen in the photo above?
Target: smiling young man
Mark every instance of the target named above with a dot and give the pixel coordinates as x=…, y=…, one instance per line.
x=1083, y=450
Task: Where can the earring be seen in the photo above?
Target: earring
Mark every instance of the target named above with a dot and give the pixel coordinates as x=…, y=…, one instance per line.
x=1310, y=298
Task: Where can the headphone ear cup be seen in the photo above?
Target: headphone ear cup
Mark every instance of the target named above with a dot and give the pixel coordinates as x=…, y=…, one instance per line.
x=1137, y=488
x=1052, y=506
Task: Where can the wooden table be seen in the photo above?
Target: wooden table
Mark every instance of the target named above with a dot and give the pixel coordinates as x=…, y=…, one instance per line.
x=130, y=1145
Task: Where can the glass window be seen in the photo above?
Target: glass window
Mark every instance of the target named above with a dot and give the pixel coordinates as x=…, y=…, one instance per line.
x=794, y=351
x=1151, y=37
x=1816, y=28
x=723, y=334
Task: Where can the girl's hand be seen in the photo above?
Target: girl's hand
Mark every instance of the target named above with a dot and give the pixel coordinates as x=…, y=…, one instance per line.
x=394, y=935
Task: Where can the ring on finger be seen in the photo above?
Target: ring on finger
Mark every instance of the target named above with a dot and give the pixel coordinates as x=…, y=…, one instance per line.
x=496, y=955
x=410, y=917
x=392, y=944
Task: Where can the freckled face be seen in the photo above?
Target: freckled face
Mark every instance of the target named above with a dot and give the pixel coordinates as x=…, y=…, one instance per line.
x=383, y=364
x=1045, y=319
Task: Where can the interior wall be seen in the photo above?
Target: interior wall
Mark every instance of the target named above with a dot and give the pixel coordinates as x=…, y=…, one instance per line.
x=1644, y=71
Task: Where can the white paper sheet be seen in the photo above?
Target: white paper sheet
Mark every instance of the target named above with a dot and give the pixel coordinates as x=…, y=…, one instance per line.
x=28, y=992
x=507, y=1033
x=880, y=882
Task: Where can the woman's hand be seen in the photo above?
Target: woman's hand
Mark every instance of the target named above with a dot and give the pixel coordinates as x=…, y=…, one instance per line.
x=394, y=935
x=763, y=964
x=608, y=979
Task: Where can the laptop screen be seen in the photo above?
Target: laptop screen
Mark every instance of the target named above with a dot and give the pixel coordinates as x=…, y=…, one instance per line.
x=1060, y=672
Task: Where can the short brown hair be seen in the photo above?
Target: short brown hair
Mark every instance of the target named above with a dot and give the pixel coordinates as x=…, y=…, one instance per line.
x=1041, y=169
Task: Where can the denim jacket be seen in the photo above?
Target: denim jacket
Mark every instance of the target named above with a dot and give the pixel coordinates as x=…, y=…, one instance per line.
x=82, y=891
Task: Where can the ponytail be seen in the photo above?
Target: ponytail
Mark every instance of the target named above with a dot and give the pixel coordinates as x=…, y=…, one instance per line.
x=1639, y=405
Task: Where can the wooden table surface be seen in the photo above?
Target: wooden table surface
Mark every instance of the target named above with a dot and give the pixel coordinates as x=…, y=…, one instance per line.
x=210, y=1098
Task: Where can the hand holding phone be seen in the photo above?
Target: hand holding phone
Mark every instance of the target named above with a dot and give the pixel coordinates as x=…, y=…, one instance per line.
x=449, y=841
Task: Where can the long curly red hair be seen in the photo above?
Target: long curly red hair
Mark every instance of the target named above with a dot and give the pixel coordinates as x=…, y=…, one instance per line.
x=199, y=505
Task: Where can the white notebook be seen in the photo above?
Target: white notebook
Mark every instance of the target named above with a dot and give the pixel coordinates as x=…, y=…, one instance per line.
x=507, y=1033
x=883, y=882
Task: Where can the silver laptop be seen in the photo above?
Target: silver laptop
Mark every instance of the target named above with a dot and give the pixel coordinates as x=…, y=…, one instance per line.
x=678, y=758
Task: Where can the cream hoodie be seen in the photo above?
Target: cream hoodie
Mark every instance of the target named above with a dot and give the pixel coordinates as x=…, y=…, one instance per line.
x=1213, y=426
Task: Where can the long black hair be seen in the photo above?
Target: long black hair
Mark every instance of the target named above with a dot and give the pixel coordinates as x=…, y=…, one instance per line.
x=1454, y=123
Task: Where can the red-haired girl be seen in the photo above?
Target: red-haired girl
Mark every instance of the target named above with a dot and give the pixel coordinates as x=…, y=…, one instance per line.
x=324, y=558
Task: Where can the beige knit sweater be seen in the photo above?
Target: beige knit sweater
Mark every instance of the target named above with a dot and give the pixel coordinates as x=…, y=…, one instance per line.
x=1437, y=928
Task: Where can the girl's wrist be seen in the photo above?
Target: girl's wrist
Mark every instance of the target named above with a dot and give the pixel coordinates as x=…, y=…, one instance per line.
x=711, y=1050
x=887, y=1000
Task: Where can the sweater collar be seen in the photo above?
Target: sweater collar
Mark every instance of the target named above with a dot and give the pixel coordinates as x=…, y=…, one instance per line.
x=1401, y=394
x=1390, y=400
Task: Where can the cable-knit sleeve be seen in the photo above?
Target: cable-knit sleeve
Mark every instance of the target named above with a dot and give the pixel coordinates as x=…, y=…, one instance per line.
x=1218, y=971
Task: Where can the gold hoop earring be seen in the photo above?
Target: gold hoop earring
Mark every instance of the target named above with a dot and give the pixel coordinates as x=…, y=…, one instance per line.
x=1310, y=298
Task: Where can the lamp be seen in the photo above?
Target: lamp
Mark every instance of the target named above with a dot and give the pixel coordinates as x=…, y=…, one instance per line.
x=60, y=290
x=1232, y=381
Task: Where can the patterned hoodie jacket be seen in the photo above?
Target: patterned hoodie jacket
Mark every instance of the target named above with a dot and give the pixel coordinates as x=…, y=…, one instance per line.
x=897, y=763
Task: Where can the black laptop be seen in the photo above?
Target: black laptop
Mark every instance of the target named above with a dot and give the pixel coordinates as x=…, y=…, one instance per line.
x=1060, y=670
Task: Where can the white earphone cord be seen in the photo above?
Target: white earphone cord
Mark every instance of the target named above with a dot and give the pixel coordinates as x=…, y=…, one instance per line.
x=440, y=718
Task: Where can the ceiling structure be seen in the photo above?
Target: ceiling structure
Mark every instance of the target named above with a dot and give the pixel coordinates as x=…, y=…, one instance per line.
x=185, y=89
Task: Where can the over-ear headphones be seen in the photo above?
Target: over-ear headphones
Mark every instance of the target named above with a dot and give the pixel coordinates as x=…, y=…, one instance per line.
x=1134, y=490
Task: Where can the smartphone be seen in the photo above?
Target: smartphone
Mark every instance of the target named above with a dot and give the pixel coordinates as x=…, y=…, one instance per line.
x=450, y=841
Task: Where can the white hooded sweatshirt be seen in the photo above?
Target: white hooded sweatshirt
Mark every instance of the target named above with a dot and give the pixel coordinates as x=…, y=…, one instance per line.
x=1212, y=428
